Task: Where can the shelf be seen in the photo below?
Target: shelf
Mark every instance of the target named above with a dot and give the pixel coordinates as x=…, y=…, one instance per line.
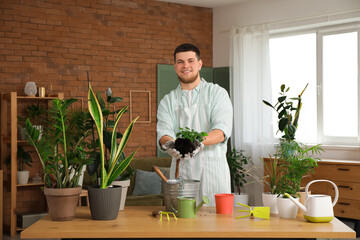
x=9, y=140
x=30, y=184
x=37, y=98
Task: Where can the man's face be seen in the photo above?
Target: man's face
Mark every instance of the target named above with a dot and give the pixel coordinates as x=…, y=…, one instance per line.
x=187, y=67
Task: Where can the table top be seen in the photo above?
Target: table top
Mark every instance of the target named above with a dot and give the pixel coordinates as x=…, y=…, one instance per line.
x=138, y=222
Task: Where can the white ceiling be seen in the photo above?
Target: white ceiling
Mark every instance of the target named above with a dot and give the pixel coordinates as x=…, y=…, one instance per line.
x=204, y=3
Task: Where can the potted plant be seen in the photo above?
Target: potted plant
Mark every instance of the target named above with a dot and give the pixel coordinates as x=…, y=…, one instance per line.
x=93, y=168
x=62, y=155
x=272, y=175
x=23, y=159
x=237, y=161
x=296, y=159
x=188, y=140
x=35, y=112
x=105, y=199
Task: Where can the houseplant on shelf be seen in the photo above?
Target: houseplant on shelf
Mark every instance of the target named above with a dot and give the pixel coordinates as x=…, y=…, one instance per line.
x=93, y=169
x=62, y=155
x=36, y=114
x=105, y=199
x=296, y=159
x=23, y=159
x=237, y=160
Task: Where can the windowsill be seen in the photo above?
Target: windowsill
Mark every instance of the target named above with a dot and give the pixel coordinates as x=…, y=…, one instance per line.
x=341, y=147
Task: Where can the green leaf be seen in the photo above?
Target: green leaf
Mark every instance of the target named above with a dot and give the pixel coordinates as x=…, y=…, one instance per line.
x=282, y=98
x=282, y=87
x=115, y=99
x=268, y=104
x=283, y=123
x=96, y=114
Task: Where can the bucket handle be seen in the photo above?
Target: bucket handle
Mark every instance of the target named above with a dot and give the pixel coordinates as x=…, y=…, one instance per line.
x=323, y=180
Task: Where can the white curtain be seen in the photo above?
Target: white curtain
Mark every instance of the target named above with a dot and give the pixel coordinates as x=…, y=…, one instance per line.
x=250, y=84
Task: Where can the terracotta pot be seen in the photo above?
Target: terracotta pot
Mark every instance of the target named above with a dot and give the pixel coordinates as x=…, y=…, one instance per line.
x=224, y=203
x=62, y=202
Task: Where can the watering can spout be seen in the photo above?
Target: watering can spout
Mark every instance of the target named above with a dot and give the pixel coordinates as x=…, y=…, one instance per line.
x=205, y=200
x=296, y=202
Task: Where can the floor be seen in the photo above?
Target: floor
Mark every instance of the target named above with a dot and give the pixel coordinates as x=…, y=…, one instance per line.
x=7, y=237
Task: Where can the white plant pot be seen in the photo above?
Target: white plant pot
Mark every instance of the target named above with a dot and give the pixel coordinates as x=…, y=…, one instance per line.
x=81, y=177
x=241, y=198
x=22, y=177
x=40, y=128
x=286, y=208
x=124, y=187
x=269, y=200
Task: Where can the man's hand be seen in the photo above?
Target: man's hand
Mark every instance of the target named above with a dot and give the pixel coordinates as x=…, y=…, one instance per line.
x=169, y=146
x=199, y=146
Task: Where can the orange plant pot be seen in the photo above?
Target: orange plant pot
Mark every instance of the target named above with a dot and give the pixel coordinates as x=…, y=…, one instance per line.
x=224, y=203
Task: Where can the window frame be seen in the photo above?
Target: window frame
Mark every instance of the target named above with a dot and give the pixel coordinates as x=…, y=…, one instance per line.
x=323, y=139
x=320, y=32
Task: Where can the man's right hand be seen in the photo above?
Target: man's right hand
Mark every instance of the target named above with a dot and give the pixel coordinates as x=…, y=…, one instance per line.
x=169, y=146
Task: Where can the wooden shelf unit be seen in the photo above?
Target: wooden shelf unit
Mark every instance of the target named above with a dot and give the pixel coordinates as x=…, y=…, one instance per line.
x=9, y=138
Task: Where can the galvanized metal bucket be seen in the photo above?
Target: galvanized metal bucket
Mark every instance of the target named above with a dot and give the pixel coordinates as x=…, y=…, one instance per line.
x=174, y=188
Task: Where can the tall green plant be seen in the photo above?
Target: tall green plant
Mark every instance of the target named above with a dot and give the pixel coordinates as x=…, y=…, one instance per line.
x=94, y=169
x=288, y=114
x=237, y=160
x=296, y=159
x=61, y=148
x=114, y=167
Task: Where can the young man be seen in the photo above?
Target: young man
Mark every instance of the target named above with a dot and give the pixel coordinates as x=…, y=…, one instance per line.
x=204, y=107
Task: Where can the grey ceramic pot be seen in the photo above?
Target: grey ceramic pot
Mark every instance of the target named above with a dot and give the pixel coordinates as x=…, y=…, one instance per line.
x=104, y=203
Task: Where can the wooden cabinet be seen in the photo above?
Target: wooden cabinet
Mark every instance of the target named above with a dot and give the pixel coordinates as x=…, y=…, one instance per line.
x=15, y=194
x=346, y=175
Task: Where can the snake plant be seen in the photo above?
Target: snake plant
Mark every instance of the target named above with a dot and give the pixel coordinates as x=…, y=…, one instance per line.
x=61, y=147
x=114, y=167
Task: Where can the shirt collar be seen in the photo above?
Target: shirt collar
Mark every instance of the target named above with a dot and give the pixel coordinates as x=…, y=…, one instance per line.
x=196, y=89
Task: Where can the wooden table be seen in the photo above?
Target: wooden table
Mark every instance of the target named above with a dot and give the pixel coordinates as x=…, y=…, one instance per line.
x=138, y=222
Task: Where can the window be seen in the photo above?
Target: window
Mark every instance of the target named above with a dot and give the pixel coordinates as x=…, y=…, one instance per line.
x=328, y=61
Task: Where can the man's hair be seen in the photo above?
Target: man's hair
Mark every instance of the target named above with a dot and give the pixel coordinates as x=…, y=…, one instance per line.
x=186, y=47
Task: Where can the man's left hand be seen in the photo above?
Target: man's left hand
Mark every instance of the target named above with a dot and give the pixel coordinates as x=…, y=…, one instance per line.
x=199, y=146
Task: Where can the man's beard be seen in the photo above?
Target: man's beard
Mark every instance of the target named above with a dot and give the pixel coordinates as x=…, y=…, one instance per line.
x=188, y=80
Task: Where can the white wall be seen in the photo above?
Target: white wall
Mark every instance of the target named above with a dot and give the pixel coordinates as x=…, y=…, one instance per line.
x=280, y=13
x=253, y=12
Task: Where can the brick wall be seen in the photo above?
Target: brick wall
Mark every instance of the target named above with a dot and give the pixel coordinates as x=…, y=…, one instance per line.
x=55, y=43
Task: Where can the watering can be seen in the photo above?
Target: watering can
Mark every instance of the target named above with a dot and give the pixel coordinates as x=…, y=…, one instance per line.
x=186, y=206
x=318, y=207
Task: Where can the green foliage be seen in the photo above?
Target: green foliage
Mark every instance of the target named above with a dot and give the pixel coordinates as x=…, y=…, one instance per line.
x=61, y=148
x=94, y=168
x=294, y=159
x=272, y=175
x=23, y=158
x=192, y=135
x=114, y=167
x=237, y=160
x=288, y=114
x=35, y=112
x=297, y=162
